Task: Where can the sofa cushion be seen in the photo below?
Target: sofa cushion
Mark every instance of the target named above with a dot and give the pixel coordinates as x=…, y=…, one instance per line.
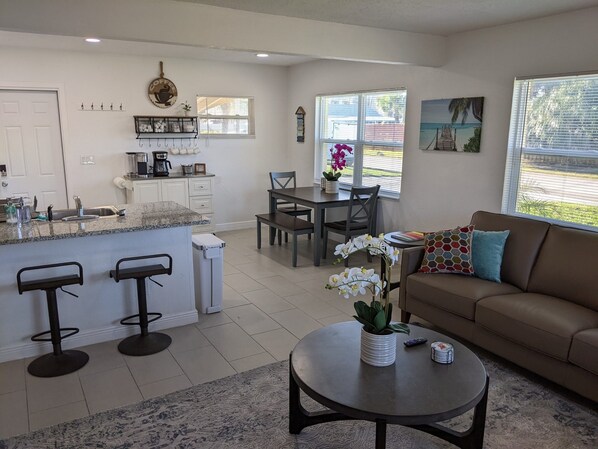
x=540, y=322
x=522, y=247
x=448, y=251
x=454, y=293
x=584, y=350
x=487, y=249
x=566, y=266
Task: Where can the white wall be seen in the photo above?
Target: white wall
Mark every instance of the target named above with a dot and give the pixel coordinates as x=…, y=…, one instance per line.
x=438, y=190
x=241, y=165
x=443, y=189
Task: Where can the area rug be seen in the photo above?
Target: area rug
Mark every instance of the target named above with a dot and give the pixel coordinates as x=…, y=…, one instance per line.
x=250, y=410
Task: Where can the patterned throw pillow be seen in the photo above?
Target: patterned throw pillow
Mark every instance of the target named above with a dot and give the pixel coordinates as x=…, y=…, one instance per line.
x=448, y=251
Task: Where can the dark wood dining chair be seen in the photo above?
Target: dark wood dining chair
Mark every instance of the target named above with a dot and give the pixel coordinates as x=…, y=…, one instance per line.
x=361, y=217
x=287, y=180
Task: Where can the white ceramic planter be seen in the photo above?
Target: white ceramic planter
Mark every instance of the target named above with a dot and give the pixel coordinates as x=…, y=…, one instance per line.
x=378, y=350
x=331, y=186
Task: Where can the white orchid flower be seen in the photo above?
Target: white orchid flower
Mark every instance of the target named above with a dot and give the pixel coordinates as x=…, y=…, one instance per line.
x=359, y=242
x=344, y=291
x=344, y=249
x=334, y=280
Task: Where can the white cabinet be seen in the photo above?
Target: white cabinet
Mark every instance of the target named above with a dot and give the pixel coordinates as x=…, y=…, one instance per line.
x=200, y=200
x=194, y=193
x=175, y=190
x=144, y=192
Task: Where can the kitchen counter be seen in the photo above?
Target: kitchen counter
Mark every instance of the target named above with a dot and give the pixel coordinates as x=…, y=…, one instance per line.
x=170, y=176
x=144, y=216
x=147, y=228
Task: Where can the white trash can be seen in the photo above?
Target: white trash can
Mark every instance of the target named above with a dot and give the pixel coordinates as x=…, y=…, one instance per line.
x=208, y=267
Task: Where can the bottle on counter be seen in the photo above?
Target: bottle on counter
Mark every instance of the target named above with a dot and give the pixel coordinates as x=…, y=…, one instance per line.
x=23, y=211
x=10, y=209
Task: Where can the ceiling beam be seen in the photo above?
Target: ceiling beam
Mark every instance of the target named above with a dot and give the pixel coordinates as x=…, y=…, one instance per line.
x=181, y=23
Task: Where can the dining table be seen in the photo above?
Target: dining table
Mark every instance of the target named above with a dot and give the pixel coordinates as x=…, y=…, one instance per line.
x=318, y=200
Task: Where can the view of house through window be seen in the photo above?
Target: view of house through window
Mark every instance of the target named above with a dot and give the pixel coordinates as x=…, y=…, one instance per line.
x=225, y=116
x=373, y=124
x=552, y=164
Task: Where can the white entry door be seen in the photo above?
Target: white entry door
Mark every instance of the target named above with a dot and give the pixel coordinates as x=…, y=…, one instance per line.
x=31, y=147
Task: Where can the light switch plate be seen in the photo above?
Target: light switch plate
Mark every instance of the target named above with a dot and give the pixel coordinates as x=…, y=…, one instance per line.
x=87, y=160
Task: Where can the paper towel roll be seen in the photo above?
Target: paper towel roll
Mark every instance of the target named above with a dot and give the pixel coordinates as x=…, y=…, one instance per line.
x=120, y=182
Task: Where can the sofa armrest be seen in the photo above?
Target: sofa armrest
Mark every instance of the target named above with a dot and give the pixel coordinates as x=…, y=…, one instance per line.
x=411, y=259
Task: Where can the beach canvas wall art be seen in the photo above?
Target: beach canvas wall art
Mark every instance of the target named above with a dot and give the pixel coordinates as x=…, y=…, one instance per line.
x=452, y=124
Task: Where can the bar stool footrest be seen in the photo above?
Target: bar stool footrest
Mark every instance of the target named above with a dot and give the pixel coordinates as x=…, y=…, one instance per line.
x=51, y=365
x=140, y=345
x=72, y=330
x=156, y=316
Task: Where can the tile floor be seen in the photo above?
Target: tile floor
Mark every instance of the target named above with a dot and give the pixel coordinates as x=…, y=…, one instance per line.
x=268, y=307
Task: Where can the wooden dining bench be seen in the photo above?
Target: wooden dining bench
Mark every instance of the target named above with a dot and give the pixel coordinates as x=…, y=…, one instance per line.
x=286, y=223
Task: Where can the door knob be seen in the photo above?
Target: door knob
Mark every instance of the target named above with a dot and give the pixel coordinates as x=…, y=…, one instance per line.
x=4, y=184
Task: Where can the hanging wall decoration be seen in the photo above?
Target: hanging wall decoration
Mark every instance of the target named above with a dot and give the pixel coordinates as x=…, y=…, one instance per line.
x=162, y=92
x=300, y=113
x=452, y=124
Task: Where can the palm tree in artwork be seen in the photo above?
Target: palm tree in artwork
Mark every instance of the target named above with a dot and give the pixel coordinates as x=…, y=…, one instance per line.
x=462, y=106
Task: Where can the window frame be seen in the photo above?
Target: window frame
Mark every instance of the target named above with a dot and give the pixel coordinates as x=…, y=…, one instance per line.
x=358, y=144
x=516, y=148
x=250, y=117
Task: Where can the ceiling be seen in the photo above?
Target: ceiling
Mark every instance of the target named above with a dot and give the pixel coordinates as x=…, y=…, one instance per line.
x=61, y=25
x=440, y=17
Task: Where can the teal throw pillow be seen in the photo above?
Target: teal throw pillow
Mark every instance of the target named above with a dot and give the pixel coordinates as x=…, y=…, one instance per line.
x=487, y=249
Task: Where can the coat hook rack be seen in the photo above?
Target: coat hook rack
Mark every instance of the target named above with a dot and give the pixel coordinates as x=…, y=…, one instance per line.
x=102, y=106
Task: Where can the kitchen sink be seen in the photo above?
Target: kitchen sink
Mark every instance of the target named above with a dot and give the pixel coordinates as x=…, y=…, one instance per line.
x=80, y=217
x=89, y=213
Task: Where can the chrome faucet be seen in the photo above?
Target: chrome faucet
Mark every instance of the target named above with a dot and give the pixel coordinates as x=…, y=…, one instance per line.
x=78, y=206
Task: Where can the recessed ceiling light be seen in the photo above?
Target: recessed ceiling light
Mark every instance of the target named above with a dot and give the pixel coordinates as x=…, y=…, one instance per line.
x=262, y=55
x=92, y=40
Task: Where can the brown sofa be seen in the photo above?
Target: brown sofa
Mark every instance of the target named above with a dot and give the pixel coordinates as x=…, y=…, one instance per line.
x=544, y=314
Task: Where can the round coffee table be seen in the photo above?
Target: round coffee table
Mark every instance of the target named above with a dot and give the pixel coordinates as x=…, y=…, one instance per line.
x=414, y=392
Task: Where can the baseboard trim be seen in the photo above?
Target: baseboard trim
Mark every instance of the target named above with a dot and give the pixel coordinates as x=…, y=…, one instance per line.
x=84, y=338
x=235, y=226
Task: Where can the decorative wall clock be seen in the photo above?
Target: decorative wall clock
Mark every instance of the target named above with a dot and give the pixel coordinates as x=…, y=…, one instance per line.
x=161, y=91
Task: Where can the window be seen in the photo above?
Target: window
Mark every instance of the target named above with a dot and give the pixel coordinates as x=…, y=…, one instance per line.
x=225, y=116
x=373, y=124
x=552, y=160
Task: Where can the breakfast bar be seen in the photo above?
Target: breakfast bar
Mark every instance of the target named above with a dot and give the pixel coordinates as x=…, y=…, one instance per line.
x=147, y=228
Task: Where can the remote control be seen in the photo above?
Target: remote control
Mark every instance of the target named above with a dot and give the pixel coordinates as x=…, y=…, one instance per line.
x=415, y=342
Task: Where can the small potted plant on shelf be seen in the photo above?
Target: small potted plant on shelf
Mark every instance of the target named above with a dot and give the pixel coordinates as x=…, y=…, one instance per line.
x=338, y=162
x=186, y=107
x=378, y=339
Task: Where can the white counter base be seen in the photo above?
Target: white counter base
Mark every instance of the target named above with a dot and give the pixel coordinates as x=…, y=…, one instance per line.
x=102, y=302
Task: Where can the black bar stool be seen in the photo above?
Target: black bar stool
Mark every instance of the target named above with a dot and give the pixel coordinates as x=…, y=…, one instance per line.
x=59, y=362
x=145, y=343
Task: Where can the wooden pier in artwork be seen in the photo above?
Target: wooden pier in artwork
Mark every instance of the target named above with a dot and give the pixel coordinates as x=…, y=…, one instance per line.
x=445, y=140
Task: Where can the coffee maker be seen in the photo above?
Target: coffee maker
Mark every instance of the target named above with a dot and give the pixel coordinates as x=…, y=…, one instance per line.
x=137, y=165
x=161, y=163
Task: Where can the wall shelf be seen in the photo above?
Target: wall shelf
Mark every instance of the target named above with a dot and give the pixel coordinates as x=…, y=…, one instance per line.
x=162, y=127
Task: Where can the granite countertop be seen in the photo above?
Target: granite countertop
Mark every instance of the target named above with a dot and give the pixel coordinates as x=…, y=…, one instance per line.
x=139, y=217
x=171, y=175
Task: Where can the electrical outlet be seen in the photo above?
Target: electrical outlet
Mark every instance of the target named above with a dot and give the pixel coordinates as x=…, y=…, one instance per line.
x=87, y=160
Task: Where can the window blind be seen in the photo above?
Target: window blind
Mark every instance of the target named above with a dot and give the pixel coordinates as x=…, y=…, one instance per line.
x=552, y=157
